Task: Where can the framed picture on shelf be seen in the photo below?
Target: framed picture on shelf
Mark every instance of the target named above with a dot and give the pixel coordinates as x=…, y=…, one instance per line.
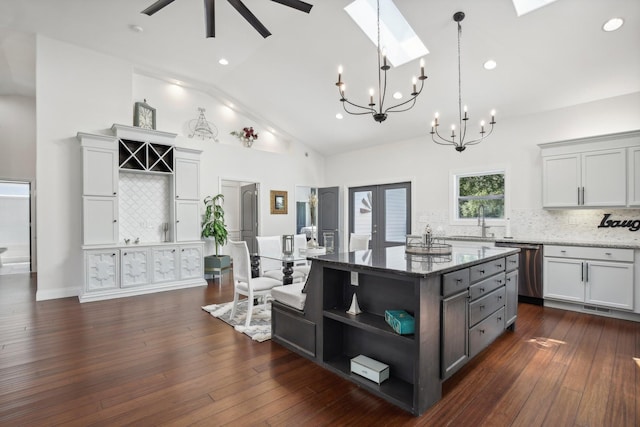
x=278, y=202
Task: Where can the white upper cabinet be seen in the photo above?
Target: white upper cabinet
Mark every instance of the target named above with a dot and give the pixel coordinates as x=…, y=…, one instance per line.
x=99, y=165
x=591, y=172
x=633, y=156
x=187, y=221
x=187, y=174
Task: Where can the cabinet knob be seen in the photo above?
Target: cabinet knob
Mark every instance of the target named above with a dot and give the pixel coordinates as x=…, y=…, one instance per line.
x=481, y=271
x=173, y=251
x=481, y=307
x=114, y=193
x=508, y=279
x=499, y=297
x=177, y=196
x=563, y=251
x=113, y=254
x=481, y=331
x=124, y=254
x=183, y=250
x=608, y=253
x=499, y=265
x=499, y=319
x=481, y=289
x=458, y=280
x=177, y=221
x=115, y=220
x=499, y=281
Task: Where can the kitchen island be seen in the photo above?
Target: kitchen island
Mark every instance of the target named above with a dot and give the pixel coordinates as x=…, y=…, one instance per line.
x=461, y=302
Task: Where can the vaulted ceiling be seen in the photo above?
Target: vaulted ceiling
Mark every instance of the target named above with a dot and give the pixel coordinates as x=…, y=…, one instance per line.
x=554, y=57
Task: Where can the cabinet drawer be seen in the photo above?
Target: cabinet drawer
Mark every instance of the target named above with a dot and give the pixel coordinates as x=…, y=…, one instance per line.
x=455, y=282
x=486, y=305
x=487, y=269
x=482, y=288
x=602, y=254
x=481, y=335
x=512, y=262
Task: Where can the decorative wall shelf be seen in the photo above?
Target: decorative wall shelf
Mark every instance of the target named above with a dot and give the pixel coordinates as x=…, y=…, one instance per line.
x=145, y=156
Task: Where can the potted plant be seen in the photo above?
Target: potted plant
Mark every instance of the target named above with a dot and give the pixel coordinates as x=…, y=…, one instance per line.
x=213, y=227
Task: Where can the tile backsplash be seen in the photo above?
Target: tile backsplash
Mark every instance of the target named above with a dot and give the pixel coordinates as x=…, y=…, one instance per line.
x=144, y=205
x=570, y=224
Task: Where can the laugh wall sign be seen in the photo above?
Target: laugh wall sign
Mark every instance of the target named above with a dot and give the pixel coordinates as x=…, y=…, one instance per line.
x=630, y=224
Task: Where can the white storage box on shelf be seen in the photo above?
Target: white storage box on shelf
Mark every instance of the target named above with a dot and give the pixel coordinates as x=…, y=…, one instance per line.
x=370, y=369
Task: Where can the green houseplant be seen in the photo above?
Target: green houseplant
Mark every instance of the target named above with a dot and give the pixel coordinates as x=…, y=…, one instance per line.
x=213, y=227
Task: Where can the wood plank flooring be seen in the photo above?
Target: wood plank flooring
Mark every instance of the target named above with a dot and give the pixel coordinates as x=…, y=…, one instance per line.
x=160, y=360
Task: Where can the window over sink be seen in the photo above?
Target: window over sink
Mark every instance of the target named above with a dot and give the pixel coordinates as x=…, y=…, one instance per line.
x=479, y=192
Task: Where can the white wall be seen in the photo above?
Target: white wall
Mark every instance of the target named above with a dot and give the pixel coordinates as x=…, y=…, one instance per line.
x=514, y=145
x=81, y=90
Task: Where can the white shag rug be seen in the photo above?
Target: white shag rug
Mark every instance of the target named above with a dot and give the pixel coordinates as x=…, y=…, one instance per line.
x=260, y=328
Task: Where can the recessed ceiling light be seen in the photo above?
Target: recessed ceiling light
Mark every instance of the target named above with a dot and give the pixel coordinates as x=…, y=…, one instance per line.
x=490, y=64
x=223, y=61
x=339, y=116
x=397, y=95
x=136, y=28
x=612, y=24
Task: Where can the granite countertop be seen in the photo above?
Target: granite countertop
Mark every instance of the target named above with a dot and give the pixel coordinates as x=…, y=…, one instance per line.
x=542, y=241
x=394, y=259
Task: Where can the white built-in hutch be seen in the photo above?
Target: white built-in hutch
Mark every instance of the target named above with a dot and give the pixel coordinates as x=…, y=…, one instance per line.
x=141, y=217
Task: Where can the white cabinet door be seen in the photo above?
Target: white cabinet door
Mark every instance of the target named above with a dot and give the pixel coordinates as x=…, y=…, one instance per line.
x=187, y=221
x=604, y=178
x=100, y=224
x=609, y=284
x=100, y=171
x=634, y=176
x=187, y=179
x=101, y=270
x=134, y=264
x=563, y=279
x=191, y=260
x=561, y=181
x=165, y=264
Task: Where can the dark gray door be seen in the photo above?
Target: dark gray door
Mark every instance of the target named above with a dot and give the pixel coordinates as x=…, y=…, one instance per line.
x=382, y=211
x=249, y=216
x=329, y=215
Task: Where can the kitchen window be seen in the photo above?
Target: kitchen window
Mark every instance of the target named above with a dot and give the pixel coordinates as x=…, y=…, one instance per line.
x=476, y=191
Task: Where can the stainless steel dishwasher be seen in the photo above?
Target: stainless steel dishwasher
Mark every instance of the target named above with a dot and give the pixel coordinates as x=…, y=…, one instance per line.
x=529, y=272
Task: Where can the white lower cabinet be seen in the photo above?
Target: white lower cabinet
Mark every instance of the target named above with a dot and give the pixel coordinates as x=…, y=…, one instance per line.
x=165, y=264
x=135, y=267
x=101, y=270
x=191, y=262
x=132, y=270
x=588, y=275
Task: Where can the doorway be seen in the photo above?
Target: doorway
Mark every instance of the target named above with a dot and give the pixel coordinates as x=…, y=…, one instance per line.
x=15, y=227
x=241, y=211
x=381, y=211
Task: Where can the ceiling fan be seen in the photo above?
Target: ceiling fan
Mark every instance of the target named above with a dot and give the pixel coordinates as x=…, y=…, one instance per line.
x=239, y=6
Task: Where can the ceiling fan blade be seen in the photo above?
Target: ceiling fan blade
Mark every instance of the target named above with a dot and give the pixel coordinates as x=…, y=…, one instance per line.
x=250, y=17
x=156, y=6
x=296, y=4
x=210, y=17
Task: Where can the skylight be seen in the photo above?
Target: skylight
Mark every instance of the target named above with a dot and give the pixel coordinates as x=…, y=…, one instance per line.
x=526, y=6
x=398, y=40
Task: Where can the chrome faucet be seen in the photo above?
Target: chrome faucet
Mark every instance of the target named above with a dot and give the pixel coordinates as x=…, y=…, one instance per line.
x=481, y=221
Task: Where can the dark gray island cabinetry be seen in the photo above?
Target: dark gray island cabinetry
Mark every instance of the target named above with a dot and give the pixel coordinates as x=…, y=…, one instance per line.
x=459, y=302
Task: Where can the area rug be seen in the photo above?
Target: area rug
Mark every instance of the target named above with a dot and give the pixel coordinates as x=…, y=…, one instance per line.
x=260, y=328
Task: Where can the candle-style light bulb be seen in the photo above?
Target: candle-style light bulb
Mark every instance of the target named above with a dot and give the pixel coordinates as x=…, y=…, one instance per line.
x=339, y=73
x=432, y=125
x=421, y=67
x=414, y=81
x=482, y=126
x=465, y=112
x=371, y=96
x=436, y=118
x=493, y=116
x=453, y=131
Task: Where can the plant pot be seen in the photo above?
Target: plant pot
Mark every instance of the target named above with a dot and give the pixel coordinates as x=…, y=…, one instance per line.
x=214, y=264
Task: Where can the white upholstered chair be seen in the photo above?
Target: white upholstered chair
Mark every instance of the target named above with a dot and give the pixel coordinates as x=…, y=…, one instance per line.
x=271, y=246
x=244, y=284
x=358, y=242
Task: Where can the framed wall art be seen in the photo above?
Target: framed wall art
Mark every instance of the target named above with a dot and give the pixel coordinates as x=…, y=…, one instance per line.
x=278, y=202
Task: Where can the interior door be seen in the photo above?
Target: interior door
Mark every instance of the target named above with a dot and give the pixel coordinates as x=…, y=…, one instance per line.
x=249, y=216
x=382, y=211
x=329, y=215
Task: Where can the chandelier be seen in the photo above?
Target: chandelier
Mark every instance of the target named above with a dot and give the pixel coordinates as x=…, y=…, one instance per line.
x=461, y=143
x=380, y=114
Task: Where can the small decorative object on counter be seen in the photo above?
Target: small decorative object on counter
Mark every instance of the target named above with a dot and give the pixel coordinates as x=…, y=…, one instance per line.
x=165, y=229
x=401, y=321
x=355, y=308
x=126, y=241
x=137, y=240
x=246, y=135
x=370, y=368
x=426, y=244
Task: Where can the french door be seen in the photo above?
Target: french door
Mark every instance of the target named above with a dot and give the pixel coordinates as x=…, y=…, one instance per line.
x=382, y=211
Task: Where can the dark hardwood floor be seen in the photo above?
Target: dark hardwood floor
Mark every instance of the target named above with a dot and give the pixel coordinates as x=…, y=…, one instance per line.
x=160, y=360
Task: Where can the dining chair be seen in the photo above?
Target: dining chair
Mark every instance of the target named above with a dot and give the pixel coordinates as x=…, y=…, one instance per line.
x=358, y=242
x=270, y=247
x=244, y=284
x=300, y=242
